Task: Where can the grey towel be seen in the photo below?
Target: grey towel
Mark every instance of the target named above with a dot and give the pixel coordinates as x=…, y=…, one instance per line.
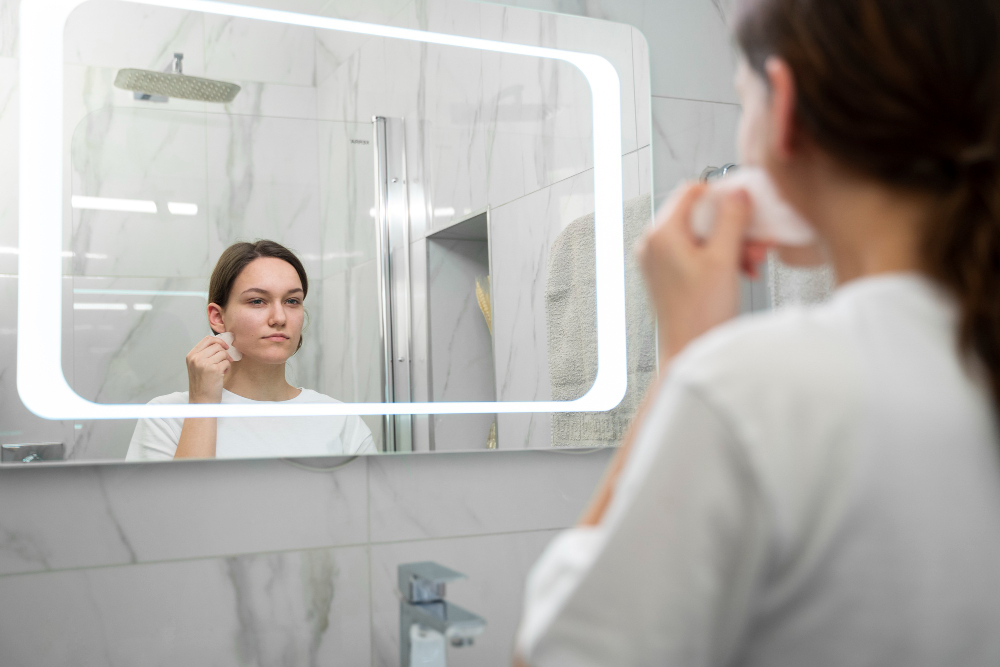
x=571, y=318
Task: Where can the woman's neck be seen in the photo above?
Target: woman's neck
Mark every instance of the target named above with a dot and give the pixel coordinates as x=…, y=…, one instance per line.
x=259, y=382
x=868, y=228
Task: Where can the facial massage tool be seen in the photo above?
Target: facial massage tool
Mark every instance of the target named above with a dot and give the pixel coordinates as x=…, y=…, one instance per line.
x=774, y=221
x=228, y=336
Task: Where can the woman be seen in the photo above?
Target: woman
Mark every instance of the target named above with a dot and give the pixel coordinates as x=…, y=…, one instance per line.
x=256, y=292
x=817, y=486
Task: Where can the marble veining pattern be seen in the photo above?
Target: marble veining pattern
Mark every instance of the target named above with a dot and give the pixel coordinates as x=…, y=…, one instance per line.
x=293, y=608
x=9, y=114
x=9, y=10
x=523, y=232
x=689, y=136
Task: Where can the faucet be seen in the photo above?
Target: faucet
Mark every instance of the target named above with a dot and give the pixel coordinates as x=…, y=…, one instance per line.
x=427, y=620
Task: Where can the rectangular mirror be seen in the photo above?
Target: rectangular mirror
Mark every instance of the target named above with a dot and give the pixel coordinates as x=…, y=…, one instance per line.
x=462, y=198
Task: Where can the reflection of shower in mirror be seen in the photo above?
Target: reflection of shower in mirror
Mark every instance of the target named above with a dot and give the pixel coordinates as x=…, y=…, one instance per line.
x=172, y=82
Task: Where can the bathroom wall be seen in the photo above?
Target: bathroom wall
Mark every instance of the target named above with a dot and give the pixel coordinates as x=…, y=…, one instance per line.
x=260, y=562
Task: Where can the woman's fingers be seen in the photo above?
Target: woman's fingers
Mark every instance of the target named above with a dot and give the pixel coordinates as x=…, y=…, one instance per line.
x=731, y=224
x=217, y=357
x=675, y=215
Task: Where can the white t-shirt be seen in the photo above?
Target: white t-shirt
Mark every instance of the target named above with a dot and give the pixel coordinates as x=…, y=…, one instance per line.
x=254, y=437
x=817, y=486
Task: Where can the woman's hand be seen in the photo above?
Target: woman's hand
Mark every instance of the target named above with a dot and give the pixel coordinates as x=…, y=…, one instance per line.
x=207, y=364
x=693, y=283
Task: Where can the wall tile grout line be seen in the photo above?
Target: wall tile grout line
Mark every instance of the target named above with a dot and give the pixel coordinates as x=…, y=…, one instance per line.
x=222, y=556
x=692, y=99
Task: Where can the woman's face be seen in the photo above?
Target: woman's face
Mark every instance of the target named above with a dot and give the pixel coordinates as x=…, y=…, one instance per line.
x=264, y=313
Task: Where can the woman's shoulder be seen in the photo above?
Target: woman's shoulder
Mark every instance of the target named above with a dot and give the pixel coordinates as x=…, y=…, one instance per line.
x=313, y=396
x=805, y=351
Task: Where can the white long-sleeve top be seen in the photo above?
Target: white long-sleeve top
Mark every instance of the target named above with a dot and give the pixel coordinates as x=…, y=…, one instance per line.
x=817, y=486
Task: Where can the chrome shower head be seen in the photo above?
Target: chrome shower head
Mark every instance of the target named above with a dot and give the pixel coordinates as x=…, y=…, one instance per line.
x=175, y=83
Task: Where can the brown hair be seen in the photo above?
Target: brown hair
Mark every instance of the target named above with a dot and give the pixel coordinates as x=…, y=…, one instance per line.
x=908, y=92
x=236, y=257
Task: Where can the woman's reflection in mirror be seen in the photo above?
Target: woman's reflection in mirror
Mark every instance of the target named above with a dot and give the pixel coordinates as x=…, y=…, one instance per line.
x=257, y=293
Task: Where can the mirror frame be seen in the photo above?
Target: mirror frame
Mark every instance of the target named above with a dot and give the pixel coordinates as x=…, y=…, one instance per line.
x=40, y=381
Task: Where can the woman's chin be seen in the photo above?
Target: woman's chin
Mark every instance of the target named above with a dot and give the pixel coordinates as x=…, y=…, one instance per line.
x=267, y=357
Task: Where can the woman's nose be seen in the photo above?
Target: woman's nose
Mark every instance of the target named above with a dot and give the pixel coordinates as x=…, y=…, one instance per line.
x=278, y=314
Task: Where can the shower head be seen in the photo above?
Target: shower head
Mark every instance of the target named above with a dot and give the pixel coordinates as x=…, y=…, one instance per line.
x=175, y=83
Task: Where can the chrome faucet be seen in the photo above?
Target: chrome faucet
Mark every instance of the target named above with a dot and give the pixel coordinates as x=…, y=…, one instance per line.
x=426, y=620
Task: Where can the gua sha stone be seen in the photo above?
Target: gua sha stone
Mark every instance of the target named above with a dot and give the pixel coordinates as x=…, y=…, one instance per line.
x=774, y=221
x=228, y=336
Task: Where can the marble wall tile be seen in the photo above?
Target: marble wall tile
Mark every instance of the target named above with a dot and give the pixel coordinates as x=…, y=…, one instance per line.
x=233, y=51
x=109, y=33
x=522, y=234
x=293, y=608
x=640, y=75
x=610, y=40
x=689, y=136
x=453, y=495
x=347, y=195
x=262, y=177
x=461, y=343
x=496, y=567
x=270, y=99
x=17, y=424
x=130, y=355
x=9, y=10
x=645, y=156
x=145, y=512
x=9, y=114
x=351, y=341
x=145, y=154
x=691, y=56
x=355, y=90
x=420, y=389
x=333, y=48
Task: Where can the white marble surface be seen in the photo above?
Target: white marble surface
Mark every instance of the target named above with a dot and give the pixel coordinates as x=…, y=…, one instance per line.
x=263, y=183
x=689, y=136
x=9, y=10
x=144, y=154
x=17, y=424
x=346, y=157
x=496, y=567
x=351, y=356
x=294, y=608
x=461, y=356
x=148, y=512
x=640, y=75
x=233, y=50
x=454, y=495
x=522, y=234
x=692, y=56
x=111, y=33
x=130, y=355
x=9, y=115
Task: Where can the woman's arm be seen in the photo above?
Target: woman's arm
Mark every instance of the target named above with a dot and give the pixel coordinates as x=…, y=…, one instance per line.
x=694, y=286
x=207, y=364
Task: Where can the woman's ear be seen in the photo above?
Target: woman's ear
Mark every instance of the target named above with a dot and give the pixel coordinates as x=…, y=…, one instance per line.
x=784, y=135
x=215, y=318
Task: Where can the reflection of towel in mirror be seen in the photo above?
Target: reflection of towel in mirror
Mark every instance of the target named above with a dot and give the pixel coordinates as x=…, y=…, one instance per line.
x=571, y=318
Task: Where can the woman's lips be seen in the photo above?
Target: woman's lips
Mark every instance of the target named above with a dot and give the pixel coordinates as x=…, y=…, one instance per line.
x=276, y=337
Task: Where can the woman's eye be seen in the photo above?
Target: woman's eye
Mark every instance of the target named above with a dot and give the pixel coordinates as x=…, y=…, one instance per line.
x=293, y=302
x=256, y=302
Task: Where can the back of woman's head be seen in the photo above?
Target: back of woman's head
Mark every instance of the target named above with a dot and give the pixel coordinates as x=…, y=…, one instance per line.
x=907, y=92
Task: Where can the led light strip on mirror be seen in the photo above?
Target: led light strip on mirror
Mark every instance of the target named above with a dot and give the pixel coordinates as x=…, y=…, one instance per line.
x=40, y=380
